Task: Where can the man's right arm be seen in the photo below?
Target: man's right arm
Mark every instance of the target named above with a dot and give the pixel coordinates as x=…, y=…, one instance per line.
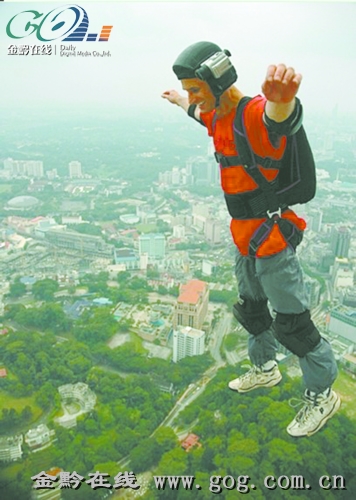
x=175, y=98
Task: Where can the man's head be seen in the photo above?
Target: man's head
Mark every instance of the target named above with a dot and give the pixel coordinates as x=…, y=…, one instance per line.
x=199, y=93
x=208, y=65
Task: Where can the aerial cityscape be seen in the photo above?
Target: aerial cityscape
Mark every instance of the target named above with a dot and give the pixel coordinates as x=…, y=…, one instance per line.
x=102, y=261
x=117, y=265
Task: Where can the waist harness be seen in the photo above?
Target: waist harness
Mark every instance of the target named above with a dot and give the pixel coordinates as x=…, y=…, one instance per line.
x=295, y=182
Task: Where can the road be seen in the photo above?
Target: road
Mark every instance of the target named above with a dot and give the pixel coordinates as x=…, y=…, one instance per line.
x=222, y=327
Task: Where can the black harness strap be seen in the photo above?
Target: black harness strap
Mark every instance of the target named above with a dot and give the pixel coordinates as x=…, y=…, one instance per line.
x=263, y=202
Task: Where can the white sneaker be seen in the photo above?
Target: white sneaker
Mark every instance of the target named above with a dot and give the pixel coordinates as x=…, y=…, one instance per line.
x=315, y=413
x=256, y=378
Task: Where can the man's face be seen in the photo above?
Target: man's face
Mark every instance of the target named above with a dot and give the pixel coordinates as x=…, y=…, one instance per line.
x=199, y=93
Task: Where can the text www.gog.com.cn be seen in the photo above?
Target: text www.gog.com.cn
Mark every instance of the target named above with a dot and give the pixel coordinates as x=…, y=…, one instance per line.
x=242, y=484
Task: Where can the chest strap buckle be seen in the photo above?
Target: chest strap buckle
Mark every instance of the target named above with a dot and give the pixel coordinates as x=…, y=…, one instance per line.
x=275, y=215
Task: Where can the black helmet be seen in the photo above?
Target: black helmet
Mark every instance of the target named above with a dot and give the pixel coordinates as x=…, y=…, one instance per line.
x=206, y=61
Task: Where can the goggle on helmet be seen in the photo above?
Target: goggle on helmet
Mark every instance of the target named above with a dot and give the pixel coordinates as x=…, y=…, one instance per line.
x=206, y=61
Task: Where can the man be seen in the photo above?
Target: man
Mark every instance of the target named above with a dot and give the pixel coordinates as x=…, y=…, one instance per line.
x=265, y=230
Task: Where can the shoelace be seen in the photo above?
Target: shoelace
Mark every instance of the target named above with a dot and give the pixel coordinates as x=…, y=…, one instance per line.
x=308, y=405
x=252, y=370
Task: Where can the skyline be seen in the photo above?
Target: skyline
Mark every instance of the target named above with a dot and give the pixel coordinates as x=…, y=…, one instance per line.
x=316, y=39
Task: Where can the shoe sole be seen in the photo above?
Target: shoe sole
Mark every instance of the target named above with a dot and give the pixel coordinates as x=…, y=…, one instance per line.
x=323, y=421
x=271, y=383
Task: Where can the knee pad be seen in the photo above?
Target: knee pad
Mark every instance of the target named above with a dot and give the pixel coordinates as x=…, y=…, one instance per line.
x=296, y=332
x=253, y=315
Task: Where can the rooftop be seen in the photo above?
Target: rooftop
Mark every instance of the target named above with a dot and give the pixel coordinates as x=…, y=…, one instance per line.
x=192, y=291
x=192, y=332
x=23, y=202
x=190, y=441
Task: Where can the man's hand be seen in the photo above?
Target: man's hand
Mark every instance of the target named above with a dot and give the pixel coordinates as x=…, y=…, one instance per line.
x=281, y=84
x=173, y=96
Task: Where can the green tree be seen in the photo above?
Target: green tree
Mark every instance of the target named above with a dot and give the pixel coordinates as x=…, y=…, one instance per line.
x=231, y=341
x=166, y=439
x=174, y=462
x=144, y=455
x=17, y=289
x=45, y=289
x=123, y=276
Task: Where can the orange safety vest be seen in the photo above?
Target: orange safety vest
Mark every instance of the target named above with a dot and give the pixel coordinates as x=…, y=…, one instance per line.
x=236, y=179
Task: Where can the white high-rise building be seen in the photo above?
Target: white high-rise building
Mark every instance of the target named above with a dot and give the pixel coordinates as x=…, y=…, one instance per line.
x=34, y=168
x=179, y=231
x=187, y=341
x=26, y=168
x=175, y=176
x=75, y=169
x=213, y=231
x=316, y=220
x=153, y=244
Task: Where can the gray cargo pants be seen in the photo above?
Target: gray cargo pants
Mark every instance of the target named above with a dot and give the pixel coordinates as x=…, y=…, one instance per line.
x=279, y=278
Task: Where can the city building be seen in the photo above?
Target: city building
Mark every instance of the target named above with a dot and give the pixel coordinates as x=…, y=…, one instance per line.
x=349, y=298
x=325, y=261
x=190, y=442
x=79, y=187
x=176, y=176
x=203, y=169
x=342, y=273
x=153, y=244
x=165, y=177
x=23, y=168
x=145, y=212
x=43, y=225
x=208, y=267
x=213, y=231
x=52, y=174
x=82, y=395
x=202, y=209
x=75, y=169
x=315, y=220
x=340, y=241
x=199, y=222
x=83, y=243
x=129, y=219
x=22, y=203
x=312, y=288
x=34, y=169
x=74, y=311
x=349, y=362
x=191, y=307
x=179, y=231
x=80, y=392
x=178, y=260
x=187, y=341
x=127, y=257
x=38, y=437
x=342, y=323
x=73, y=219
x=11, y=448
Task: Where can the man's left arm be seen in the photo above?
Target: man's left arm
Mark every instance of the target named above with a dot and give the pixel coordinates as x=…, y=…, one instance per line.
x=283, y=111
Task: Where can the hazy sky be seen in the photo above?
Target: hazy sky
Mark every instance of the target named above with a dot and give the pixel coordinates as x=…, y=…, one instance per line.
x=318, y=39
